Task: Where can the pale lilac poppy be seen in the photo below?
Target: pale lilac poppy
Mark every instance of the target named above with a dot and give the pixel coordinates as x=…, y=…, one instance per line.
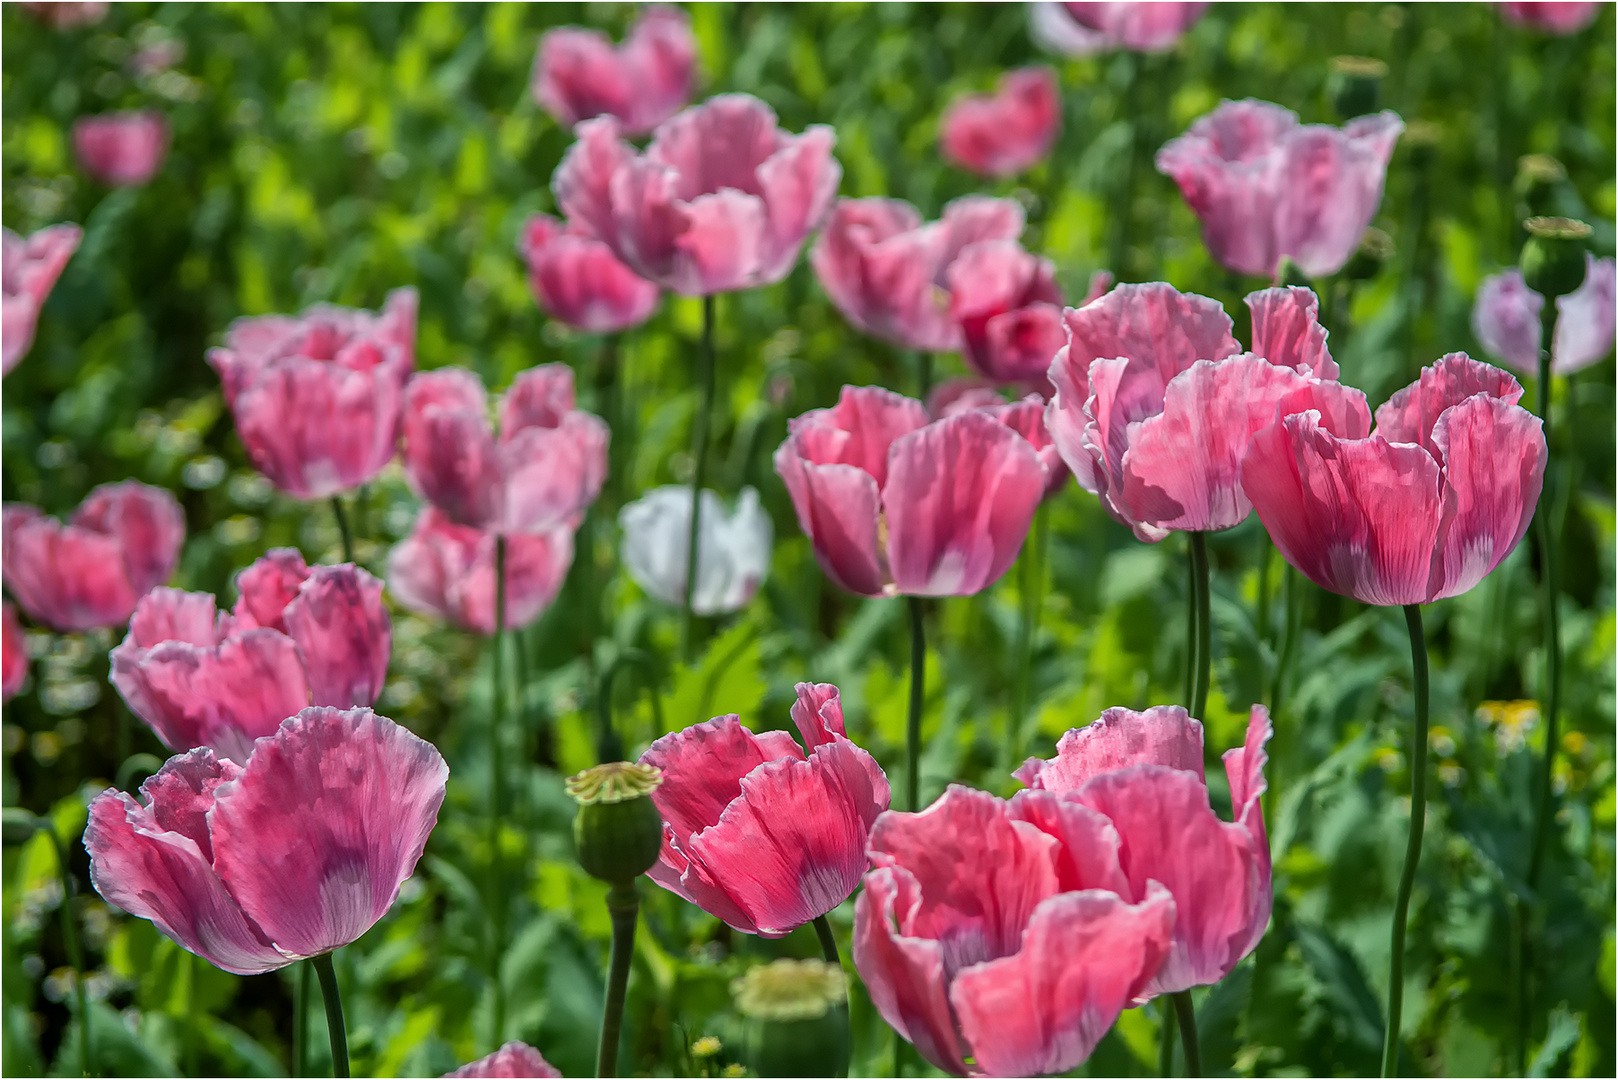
x=1506, y=319
x=1083, y=29
x=122, y=149
x=579, y=74
x=448, y=570
x=31, y=268
x=1006, y=132
x=578, y=280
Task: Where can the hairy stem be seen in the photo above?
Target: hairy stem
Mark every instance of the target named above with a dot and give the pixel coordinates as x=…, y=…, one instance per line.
x=1418, y=821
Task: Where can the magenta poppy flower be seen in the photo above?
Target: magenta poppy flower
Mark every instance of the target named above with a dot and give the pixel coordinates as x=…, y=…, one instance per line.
x=122, y=149
x=724, y=788
x=578, y=74
x=1424, y=508
x=578, y=280
x=1560, y=17
x=895, y=505
x=1506, y=314
x=295, y=854
x=1155, y=403
x=1142, y=771
x=1265, y=185
x=1006, y=132
x=1083, y=29
x=1003, y=933
x=540, y=473
x=30, y=270
x=1009, y=308
x=316, y=397
x=887, y=272
x=513, y=1059
x=298, y=636
x=122, y=541
x=721, y=200
x=13, y=653
x=447, y=570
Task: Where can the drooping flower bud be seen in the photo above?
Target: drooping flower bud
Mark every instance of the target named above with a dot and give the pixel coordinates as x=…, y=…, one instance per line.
x=618, y=830
x=1552, y=260
x=1353, y=84
x=796, y=1024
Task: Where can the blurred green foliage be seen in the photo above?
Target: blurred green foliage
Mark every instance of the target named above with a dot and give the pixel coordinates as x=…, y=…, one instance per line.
x=331, y=152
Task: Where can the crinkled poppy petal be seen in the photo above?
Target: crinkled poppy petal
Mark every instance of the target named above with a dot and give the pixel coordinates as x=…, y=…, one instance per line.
x=1153, y=324
x=541, y=396
x=264, y=590
x=1087, y=853
x=837, y=508
x=660, y=54
x=703, y=766
x=582, y=183
x=1244, y=768
x=859, y=430
x=513, y=1059
x=343, y=634
x=450, y=453
x=1287, y=330
x=723, y=245
x=1410, y=415
x=166, y=614
x=553, y=474
x=689, y=878
x=798, y=183
x=818, y=714
x=147, y=523
x=63, y=576
x=1163, y=735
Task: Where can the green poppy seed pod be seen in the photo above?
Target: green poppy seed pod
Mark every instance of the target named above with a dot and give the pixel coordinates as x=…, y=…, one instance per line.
x=618, y=831
x=1552, y=261
x=1376, y=248
x=797, y=1023
x=1353, y=84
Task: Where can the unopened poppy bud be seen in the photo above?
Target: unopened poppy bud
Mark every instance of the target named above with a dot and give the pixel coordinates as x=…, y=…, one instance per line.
x=1552, y=260
x=1353, y=84
x=796, y=1024
x=618, y=830
x=1376, y=248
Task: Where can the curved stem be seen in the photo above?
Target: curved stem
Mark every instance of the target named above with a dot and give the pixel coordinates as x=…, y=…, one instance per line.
x=342, y=527
x=1199, y=584
x=75, y=955
x=1290, y=630
x=497, y=904
x=334, y=1013
x=1418, y=822
x=609, y=744
x=699, y=449
x=300, y=1021
x=828, y=943
x=623, y=904
x=1031, y=590
x=918, y=699
x=1187, y=1013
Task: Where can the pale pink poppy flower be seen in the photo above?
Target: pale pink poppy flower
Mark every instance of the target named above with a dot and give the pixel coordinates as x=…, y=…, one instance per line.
x=1083, y=29
x=578, y=280
x=447, y=570
x=30, y=270
x=1006, y=132
x=316, y=397
x=1424, y=508
x=579, y=74
x=13, y=653
x=1143, y=772
x=1009, y=309
x=298, y=636
x=293, y=855
x=121, y=149
x=121, y=542
x=1025, y=417
x=1506, y=314
x=1003, y=933
x=1265, y=185
x=1155, y=403
x=895, y=505
x=721, y=199
x=1560, y=17
x=888, y=272
x=513, y=1059
x=541, y=472
x=725, y=787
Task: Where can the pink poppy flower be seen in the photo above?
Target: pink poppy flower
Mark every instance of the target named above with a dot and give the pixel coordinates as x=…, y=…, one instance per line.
x=66, y=14
x=541, y=473
x=721, y=200
x=1083, y=29
x=1142, y=771
x=316, y=396
x=1155, y=403
x=447, y=570
x=1025, y=417
x=724, y=788
x=887, y=272
x=1009, y=308
x=1265, y=185
x=13, y=652
x=121, y=149
x=1003, y=932
x=1560, y=17
x=123, y=540
x=1424, y=508
x=295, y=854
x=578, y=280
x=513, y=1059
x=298, y=636
x=30, y=270
x=578, y=74
x=1006, y=132
x=895, y=505
x=1506, y=314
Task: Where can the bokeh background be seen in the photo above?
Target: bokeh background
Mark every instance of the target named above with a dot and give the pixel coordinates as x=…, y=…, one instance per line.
x=332, y=152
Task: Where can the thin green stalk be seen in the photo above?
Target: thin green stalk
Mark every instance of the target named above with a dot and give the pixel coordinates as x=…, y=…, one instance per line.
x=75, y=954
x=1166, y=1038
x=334, y=1013
x=1124, y=192
x=342, y=527
x=1291, y=598
x=300, y=1020
x=1553, y=634
x=918, y=698
x=623, y=904
x=1031, y=590
x=497, y=902
x=1190, y=681
x=1418, y=822
x=1187, y=1013
x=699, y=473
x=1199, y=581
x=828, y=944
